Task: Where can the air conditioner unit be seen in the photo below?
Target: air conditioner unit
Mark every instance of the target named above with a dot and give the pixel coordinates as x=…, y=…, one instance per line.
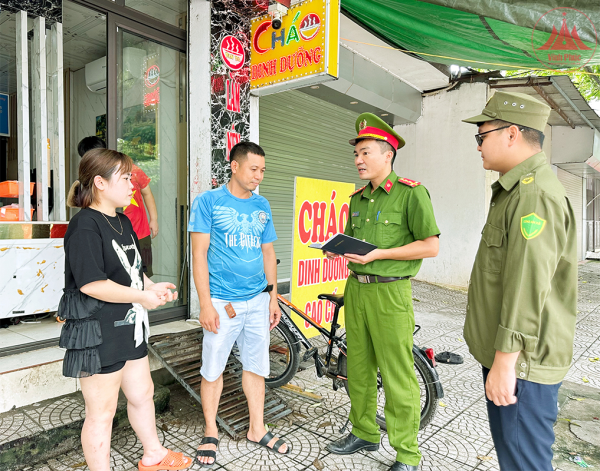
x=95, y=72
x=95, y=75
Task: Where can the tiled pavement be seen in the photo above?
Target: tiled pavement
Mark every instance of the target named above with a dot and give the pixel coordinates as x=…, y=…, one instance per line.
x=458, y=438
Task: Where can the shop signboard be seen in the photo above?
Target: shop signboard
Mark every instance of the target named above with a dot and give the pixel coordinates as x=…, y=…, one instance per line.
x=232, y=52
x=303, y=51
x=230, y=81
x=320, y=211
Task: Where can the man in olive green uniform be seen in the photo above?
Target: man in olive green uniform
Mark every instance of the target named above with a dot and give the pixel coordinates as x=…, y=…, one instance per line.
x=521, y=310
x=396, y=215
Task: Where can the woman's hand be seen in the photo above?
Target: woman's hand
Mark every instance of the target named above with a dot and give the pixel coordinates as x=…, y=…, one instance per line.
x=164, y=289
x=151, y=299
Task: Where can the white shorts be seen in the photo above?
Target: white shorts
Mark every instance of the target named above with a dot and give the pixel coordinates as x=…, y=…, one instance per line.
x=249, y=328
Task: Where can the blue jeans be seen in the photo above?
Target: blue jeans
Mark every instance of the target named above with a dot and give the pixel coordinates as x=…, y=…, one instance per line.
x=523, y=433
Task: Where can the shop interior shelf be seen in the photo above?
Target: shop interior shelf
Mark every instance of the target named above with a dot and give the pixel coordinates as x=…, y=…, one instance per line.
x=10, y=189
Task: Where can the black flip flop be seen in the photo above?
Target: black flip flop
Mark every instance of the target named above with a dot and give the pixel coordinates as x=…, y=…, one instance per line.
x=449, y=358
x=208, y=453
x=264, y=441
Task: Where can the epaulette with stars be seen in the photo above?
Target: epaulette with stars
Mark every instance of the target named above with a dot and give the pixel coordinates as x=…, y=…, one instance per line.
x=358, y=191
x=408, y=182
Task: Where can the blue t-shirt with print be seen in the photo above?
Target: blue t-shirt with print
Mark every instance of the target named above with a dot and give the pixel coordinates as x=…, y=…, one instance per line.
x=237, y=227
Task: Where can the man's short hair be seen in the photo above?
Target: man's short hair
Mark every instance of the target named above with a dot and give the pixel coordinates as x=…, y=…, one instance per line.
x=532, y=136
x=385, y=147
x=89, y=143
x=240, y=151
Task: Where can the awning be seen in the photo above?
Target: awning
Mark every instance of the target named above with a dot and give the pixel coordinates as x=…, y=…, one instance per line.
x=575, y=126
x=489, y=34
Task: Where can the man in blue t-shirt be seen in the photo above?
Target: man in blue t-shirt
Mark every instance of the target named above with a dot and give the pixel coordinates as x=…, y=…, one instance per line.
x=235, y=271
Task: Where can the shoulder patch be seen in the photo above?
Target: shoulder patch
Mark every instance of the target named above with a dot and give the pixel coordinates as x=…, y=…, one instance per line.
x=532, y=226
x=358, y=191
x=408, y=182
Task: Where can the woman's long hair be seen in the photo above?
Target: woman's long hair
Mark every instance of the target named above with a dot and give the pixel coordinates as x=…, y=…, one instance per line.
x=102, y=162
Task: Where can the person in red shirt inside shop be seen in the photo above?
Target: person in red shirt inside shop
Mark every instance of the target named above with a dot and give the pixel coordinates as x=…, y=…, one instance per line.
x=145, y=229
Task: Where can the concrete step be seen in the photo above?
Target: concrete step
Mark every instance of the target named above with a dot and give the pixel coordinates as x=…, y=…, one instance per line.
x=48, y=428
x=36, y=375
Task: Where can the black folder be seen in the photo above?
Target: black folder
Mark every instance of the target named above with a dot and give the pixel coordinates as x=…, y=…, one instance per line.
x=341, y=243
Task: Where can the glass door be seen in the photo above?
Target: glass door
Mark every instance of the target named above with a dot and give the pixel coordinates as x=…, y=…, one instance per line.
x=150, y=126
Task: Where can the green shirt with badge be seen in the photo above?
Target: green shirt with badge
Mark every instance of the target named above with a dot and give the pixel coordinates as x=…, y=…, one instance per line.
x=394, y=214
x=523, y=288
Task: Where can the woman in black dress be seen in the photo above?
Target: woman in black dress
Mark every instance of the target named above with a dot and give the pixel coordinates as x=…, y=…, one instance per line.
x=105, y=304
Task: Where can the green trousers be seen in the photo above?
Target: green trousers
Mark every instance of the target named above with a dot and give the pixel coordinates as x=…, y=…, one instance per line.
x=379, y=329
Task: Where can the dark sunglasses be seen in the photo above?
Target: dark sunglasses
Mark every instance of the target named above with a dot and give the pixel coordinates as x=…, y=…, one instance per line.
x=479, y=139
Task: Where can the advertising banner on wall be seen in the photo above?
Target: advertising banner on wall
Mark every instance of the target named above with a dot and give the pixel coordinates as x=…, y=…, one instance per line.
x=303, y=51
x=320, y=211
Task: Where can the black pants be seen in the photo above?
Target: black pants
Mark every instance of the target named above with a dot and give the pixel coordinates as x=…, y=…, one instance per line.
x=523, y=433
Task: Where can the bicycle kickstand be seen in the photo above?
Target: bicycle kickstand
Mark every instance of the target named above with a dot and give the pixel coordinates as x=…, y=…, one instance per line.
x=345, y=427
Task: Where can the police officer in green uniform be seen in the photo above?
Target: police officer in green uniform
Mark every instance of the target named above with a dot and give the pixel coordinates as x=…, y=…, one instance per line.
x=396, y=215
x=522, y=300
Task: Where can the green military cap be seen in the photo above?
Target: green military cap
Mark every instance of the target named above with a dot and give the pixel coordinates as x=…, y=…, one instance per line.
x=514, y=108
x=369, y=126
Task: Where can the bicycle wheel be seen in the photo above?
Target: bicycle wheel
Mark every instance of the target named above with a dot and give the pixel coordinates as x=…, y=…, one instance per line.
x=429, y=399
x=284, y=356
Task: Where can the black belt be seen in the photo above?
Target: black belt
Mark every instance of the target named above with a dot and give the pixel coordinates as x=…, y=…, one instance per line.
x=268, y=289
x=377, y=278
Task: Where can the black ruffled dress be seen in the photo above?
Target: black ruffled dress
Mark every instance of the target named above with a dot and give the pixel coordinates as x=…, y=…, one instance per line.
x=99, y=334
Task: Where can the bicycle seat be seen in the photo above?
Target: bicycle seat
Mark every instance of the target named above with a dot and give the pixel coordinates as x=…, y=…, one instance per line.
x=334, y=298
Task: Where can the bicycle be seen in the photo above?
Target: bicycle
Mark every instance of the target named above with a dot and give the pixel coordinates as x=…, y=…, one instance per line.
x=287, y=341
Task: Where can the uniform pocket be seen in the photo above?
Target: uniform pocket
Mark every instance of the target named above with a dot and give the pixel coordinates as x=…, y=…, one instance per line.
x=490, y=251
x=388, y=229
x=356, y=227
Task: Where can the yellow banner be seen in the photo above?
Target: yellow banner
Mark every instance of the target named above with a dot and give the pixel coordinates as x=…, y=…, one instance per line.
x=306, y=45
x=320, y=211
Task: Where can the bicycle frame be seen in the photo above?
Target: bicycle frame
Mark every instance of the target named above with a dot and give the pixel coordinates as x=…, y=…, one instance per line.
x=328, y=334
x=334, y=339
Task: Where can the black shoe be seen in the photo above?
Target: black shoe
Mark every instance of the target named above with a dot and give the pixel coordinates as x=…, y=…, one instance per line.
x=351, y=444
x=397, y=466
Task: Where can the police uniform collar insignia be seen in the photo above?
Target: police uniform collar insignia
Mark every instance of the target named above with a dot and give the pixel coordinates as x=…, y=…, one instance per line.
x=358, y=191
x=388, y=185
x=408, y=182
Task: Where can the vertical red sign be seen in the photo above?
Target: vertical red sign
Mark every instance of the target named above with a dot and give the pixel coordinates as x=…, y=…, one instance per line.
x=232, y=139
x=233, y=96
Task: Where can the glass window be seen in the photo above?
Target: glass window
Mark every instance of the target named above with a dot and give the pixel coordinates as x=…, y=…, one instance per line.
x=9, y=193
x=84, y=37
x=152, y=130
x=173, y=12
x=8, y=102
